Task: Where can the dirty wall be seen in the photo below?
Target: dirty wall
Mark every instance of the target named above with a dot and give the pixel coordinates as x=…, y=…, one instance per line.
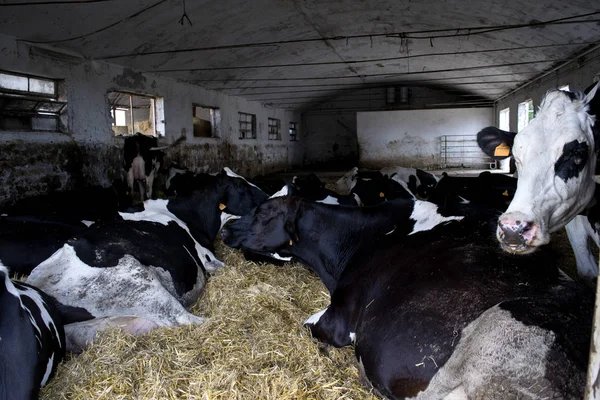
x=88, y=153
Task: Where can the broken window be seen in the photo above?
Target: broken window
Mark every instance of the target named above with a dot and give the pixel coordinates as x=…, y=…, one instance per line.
x=247, y=126
x=133, y=113
x=524, y=114
x=274, y=129
x=293, y=131
x=29, y=103
x=207, y=121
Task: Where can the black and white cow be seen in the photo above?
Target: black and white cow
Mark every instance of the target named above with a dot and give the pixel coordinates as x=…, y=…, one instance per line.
x=312, y=188
x=142, y=159
x=379, y=188
x=419, y=182
x=433, y=307
x=149, y=264
x=32, y=339
x=555, y=157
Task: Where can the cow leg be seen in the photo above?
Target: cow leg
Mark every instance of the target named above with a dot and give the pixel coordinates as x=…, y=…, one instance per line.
x=81, y=334
x=130, y=180
x=578, y=233
x=330, y=327
x=149, y=182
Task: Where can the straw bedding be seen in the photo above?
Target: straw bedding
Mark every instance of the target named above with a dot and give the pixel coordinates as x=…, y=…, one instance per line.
x=253, y=346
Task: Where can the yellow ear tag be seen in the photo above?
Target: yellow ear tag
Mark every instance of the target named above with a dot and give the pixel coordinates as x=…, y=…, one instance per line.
x=502, y=150
x=505, y=193
x=222, y=206
x=381, y=194
x=291, y=242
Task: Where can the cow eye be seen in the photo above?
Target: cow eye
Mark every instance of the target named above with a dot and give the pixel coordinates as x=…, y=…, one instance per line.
x=578, y=160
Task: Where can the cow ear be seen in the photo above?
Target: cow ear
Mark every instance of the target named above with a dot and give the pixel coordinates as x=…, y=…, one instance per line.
x=592, y=99
x=495, y=142
x=290, y=228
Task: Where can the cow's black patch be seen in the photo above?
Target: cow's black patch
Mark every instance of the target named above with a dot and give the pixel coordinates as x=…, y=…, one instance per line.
x=572, y=160
x=151, y=243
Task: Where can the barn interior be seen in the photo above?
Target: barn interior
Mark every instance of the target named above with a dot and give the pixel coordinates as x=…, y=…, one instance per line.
x=269, y=87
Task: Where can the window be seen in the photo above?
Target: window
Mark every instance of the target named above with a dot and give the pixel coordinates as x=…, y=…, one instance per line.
x=293, y=131
x=207, y=121
x=565, y=88
x=29, y=103
x=133, y=113
x=247, y=126
x=525, y=114
x=504, y=119
x=274, y=129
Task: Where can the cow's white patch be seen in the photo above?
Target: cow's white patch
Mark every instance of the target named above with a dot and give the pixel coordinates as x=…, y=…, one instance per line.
x=579, y=232
x=172, y=173
x=426, y=216
x=227, y=217
x=281, y=193
x=329, y=200
x=278, y=257
x=48, y=370
x=390, y=232
x=314, y=319
x=157, y=211
x=495, y=346
x=234, y=175
x=346, y=182
x=357, y=199
x=353, y=337
x=128, y=288
x=463, y=200
x=87, y=223
x=400, y=173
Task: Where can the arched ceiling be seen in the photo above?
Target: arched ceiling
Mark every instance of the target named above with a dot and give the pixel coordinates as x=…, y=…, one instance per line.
x=298, y=53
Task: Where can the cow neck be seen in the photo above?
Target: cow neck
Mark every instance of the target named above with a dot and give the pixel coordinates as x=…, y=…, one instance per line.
x=200, y=211
x=331, y=236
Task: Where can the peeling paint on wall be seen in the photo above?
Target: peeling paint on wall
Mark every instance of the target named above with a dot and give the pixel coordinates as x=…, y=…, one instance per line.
x=131, y=79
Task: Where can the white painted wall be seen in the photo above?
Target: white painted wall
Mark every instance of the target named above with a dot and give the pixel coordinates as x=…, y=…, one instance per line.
x=411, y=138
x=87, y=84
x=330, y=139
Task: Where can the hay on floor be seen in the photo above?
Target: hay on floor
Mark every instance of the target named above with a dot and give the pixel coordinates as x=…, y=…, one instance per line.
x=252, y=347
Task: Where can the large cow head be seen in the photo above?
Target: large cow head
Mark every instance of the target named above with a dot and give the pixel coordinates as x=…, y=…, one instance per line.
x=555, y=157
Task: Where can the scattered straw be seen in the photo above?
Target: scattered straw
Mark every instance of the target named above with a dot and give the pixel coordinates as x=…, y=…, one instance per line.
x=252, y=347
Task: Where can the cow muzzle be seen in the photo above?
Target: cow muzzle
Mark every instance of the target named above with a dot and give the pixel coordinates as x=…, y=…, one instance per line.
x=517, y=234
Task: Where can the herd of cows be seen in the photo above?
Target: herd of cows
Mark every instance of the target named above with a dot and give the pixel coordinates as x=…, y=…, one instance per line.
x=444, y=285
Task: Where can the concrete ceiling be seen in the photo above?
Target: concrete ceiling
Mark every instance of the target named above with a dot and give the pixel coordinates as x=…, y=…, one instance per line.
x=298, y=53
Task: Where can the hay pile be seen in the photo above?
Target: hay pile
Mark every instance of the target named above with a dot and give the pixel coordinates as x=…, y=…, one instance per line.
x=252, y=347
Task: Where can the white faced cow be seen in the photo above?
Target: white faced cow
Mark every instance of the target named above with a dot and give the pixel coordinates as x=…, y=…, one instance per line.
x=556, y=159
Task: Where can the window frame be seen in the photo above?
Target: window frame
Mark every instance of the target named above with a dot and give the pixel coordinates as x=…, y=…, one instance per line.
x=274, y=128
x=34, y=106
x=156, y=103
x=530, y=114
x=215, y=130
x=252, y=122
x=293, y=127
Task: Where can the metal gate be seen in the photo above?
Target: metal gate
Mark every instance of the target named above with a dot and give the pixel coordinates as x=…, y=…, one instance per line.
x=462, y=151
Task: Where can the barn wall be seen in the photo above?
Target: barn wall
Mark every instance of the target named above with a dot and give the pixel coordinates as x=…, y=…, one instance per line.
x=412, y=137
x=35, y=162
x=578, y=74
x=330, y=128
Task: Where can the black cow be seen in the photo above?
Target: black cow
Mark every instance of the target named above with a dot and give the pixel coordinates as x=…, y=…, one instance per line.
x=90, y=203
x=32, y=339
x=313, y=189
x=149, y=264
x=494, y=190
x=26, y=241
x=431, y=304
x=142, y=159
x=377, y=188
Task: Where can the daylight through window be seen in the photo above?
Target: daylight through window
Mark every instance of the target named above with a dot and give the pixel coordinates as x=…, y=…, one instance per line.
x=293, y=131
x=29, y=103
x=133, y=113
x=247, y=125
x=207, y=121
x=524, y=114
x=274, y=129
